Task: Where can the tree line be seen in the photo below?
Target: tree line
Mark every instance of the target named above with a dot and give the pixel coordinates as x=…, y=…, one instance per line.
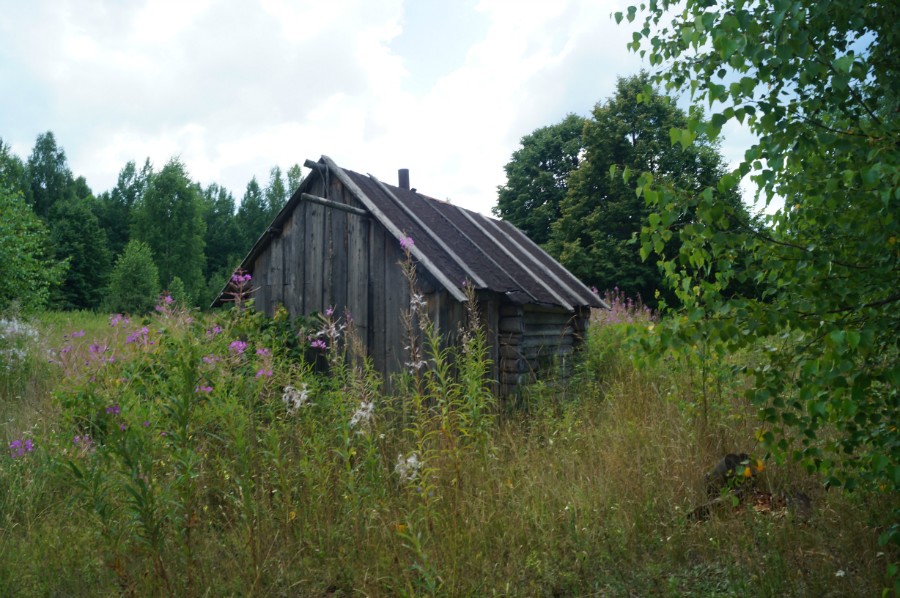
x=65, y=247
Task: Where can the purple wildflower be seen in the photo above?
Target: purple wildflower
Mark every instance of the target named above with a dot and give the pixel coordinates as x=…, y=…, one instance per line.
x=263, y=352
x=146, y=424
x=117, y=319
x=114, y=409
x=406, y=243
x=123, y=427
x=237, y=347
x=138, y=335
x=210, y=359
x=206, y=389
x=329, y=311
x=78, y=334
x=96, y=349
x=264, y=373
x=318, y=344
x=18, y=447
x=241, y=278
x=214, y=331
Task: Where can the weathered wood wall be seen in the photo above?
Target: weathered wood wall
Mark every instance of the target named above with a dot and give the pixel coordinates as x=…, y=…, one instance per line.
x=324, y=256
x=535, y=340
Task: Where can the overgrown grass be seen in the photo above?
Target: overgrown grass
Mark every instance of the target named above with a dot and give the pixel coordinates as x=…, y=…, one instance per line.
x=172, y=461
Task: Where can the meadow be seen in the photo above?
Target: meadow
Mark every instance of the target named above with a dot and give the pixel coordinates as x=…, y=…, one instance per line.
x=224, y=454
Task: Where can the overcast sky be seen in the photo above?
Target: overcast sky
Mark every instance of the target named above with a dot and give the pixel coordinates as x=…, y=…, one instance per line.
x=234, y=87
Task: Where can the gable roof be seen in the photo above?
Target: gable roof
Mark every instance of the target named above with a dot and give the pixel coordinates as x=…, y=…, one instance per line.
x=454, y=245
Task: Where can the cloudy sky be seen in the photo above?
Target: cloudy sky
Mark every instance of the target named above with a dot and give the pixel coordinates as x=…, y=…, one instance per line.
x=234, y=87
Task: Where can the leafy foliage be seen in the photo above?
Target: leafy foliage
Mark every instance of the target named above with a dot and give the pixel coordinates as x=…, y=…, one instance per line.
x=134, y=282
x=537, y=177
x=817, y=82
x=27, y=269
x=601, y=216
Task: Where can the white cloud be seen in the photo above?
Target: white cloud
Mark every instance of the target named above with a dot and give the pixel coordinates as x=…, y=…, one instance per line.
x=234, y=88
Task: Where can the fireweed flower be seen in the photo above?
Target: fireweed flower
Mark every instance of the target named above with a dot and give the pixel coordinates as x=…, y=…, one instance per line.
x=363, y=416
x=83, y=443
x=329, y=311
x=295, y=399
x=206, y=389
x=18, y=447
x=416, y=302
x=318, y=344
x=113, y=409
x=214, y=331
x=408, y=468
x=210, y=359
x=263, y=352
x=406, y=243
x=138, y=336
x=78, y=334
x=264, y=373
x=116, y=319
x=237, y=347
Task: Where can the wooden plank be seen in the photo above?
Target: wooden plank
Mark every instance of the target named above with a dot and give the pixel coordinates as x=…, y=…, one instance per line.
x=510, y=309
x=328, y=259
x=276, y=271
x=290, y=271
x=333, y=204
x=375, y=291
x=315, y=257
x=298, y=307
x=392, y=229
x=358, y=274
x=396, y=299
x=511, y=324
x=339, y=268
x=261, y=282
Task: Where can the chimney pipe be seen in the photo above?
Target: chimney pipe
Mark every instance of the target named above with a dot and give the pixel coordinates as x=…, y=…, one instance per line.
x=403, y=175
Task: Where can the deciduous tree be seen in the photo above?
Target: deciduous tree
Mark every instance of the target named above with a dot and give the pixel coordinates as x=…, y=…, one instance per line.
x=817, y=82
x=537, y=177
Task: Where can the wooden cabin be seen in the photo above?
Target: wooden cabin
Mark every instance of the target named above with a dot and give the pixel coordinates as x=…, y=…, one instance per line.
x=336, y=244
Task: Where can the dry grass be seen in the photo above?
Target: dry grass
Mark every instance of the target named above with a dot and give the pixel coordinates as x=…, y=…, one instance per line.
x=584, y=490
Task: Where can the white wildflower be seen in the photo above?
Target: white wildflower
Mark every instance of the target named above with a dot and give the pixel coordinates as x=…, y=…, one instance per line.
x=840, y=573
x=295, y=399
x=415, y=366
x=416, y=302
x=362, y=418
x=408, y=468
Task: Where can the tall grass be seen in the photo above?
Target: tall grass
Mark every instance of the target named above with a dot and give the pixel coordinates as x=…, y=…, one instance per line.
x=193, y=455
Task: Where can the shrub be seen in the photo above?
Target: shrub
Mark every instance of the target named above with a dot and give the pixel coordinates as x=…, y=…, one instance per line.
x=134, y=283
